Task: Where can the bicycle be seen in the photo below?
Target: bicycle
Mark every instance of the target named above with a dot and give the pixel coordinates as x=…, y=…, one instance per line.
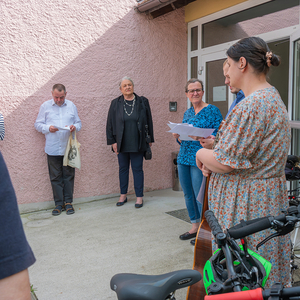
x=236, y=268
x=294, y=200
x=152, y=287
x=282, y=224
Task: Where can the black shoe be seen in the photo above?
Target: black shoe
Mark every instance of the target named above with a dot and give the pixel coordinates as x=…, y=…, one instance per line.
x=121, y=203
x=139, y=205
x=187, y=236
x=193, y=242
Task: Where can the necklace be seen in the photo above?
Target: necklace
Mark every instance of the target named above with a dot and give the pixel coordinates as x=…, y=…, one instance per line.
x=131, y=101
x=131, y=105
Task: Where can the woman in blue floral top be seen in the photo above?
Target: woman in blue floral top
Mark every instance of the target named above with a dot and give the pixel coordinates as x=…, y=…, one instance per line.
x=201, y=115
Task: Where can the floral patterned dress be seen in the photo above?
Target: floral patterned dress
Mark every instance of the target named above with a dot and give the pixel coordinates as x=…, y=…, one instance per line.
x=254, y=140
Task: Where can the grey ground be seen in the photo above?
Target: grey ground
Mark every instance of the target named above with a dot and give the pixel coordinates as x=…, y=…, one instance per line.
x=78, y=254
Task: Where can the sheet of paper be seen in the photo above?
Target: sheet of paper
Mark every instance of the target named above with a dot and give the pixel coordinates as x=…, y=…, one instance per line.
x=183, y=137
x=184, y=130
x=63, y=128
x=172, y=125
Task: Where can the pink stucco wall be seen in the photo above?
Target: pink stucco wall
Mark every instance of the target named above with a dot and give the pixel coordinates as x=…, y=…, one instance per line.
x=88, y=46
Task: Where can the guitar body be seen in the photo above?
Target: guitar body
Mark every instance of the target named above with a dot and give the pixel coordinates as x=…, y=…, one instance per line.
x=202, y=252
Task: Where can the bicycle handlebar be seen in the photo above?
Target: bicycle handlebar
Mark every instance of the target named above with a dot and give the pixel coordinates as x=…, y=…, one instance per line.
x=246, y=228
x=242, y=229
x=213, y=222
x=257, y=294
x=245, y=295
x=249, y=227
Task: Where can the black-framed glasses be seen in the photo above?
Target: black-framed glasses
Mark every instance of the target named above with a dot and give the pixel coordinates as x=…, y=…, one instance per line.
x=196, y=90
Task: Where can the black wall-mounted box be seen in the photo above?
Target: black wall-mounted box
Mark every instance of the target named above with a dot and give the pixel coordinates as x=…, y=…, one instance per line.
x=173, y=106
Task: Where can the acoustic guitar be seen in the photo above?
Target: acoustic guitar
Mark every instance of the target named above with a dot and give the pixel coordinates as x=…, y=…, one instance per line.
x=203, y=250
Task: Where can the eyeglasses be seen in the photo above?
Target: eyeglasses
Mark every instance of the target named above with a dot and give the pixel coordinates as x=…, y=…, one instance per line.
x=193, y=91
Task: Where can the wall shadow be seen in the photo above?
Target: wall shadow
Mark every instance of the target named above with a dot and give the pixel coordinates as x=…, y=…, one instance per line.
x=153, y=53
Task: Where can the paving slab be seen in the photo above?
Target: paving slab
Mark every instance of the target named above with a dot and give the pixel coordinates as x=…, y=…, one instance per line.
x=78, y=254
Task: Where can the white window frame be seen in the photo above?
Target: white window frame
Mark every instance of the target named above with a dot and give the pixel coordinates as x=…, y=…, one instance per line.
x=219, y=51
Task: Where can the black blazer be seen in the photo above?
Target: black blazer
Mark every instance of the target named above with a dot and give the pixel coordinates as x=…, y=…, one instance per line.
x=115, y=122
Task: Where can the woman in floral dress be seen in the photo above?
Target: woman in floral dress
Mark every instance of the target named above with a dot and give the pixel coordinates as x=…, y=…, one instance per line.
x=247, y=163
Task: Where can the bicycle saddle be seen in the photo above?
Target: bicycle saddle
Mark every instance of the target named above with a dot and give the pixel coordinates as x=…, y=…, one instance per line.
x=151, y=287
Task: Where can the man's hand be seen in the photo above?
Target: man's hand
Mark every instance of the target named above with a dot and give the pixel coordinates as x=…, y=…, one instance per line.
x=72, y=128
x=53, y=129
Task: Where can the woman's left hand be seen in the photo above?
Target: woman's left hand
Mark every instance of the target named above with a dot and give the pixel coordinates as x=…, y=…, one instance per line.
x=202, y=167
x=205, y=171
x=150, y=144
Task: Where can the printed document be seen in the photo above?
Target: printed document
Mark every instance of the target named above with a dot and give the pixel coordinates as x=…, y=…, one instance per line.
x=62, y=128
x=184, y=130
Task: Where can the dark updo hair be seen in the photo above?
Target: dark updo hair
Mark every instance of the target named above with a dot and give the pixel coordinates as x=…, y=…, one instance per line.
x=193, y=80
x=256, y=52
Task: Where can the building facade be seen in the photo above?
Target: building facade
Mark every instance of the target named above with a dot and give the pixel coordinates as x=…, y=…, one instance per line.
x=90, y=45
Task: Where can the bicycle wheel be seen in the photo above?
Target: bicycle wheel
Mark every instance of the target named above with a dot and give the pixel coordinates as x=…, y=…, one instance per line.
x=295, y=255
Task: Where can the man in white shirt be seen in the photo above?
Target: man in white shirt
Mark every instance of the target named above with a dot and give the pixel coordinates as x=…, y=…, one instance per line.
x=54, y=114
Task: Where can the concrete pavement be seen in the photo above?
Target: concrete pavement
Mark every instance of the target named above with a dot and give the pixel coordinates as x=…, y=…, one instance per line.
x=78, y=254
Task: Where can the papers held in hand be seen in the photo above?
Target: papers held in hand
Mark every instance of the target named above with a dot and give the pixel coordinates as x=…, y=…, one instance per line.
x=63, y=128
x=184, y=130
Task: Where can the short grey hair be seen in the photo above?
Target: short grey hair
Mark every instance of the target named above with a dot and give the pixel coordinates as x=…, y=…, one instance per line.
x=193, y=80
x=126, y=78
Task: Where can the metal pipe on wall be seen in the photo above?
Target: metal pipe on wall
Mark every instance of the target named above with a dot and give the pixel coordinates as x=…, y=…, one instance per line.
x=148, y=5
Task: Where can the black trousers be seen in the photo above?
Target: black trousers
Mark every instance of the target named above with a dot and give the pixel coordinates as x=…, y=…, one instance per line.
x=136, y=160
x=62, y=180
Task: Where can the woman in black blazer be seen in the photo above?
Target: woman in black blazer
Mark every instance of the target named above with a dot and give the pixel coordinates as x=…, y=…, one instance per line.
x=127, y=119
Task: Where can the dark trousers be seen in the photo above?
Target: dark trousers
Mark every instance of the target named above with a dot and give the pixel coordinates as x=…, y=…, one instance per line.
x=62, y=180
x=136, y=159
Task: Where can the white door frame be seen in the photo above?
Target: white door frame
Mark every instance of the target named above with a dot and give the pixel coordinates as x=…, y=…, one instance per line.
x=219, y=51
x=293, y=37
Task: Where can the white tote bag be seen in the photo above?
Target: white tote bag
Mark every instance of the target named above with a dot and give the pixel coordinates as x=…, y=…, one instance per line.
x=72, y=154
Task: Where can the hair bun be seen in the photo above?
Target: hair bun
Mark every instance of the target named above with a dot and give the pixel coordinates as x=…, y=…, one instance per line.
x=269, y=58
x=272, y=59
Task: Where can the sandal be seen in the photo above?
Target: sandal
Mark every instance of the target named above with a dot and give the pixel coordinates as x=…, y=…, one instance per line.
x=69, y=208
x=57, y=210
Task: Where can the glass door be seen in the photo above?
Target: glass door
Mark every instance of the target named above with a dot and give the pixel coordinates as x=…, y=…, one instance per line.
x=294, y=101
x=216, y=92
x=295, y=92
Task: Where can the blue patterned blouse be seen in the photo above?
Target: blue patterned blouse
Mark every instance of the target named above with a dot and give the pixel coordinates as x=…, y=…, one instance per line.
x=208, y=117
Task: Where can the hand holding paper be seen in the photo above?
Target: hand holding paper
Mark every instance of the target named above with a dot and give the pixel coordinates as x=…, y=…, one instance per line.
x=63, y=128
x=184, y=130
